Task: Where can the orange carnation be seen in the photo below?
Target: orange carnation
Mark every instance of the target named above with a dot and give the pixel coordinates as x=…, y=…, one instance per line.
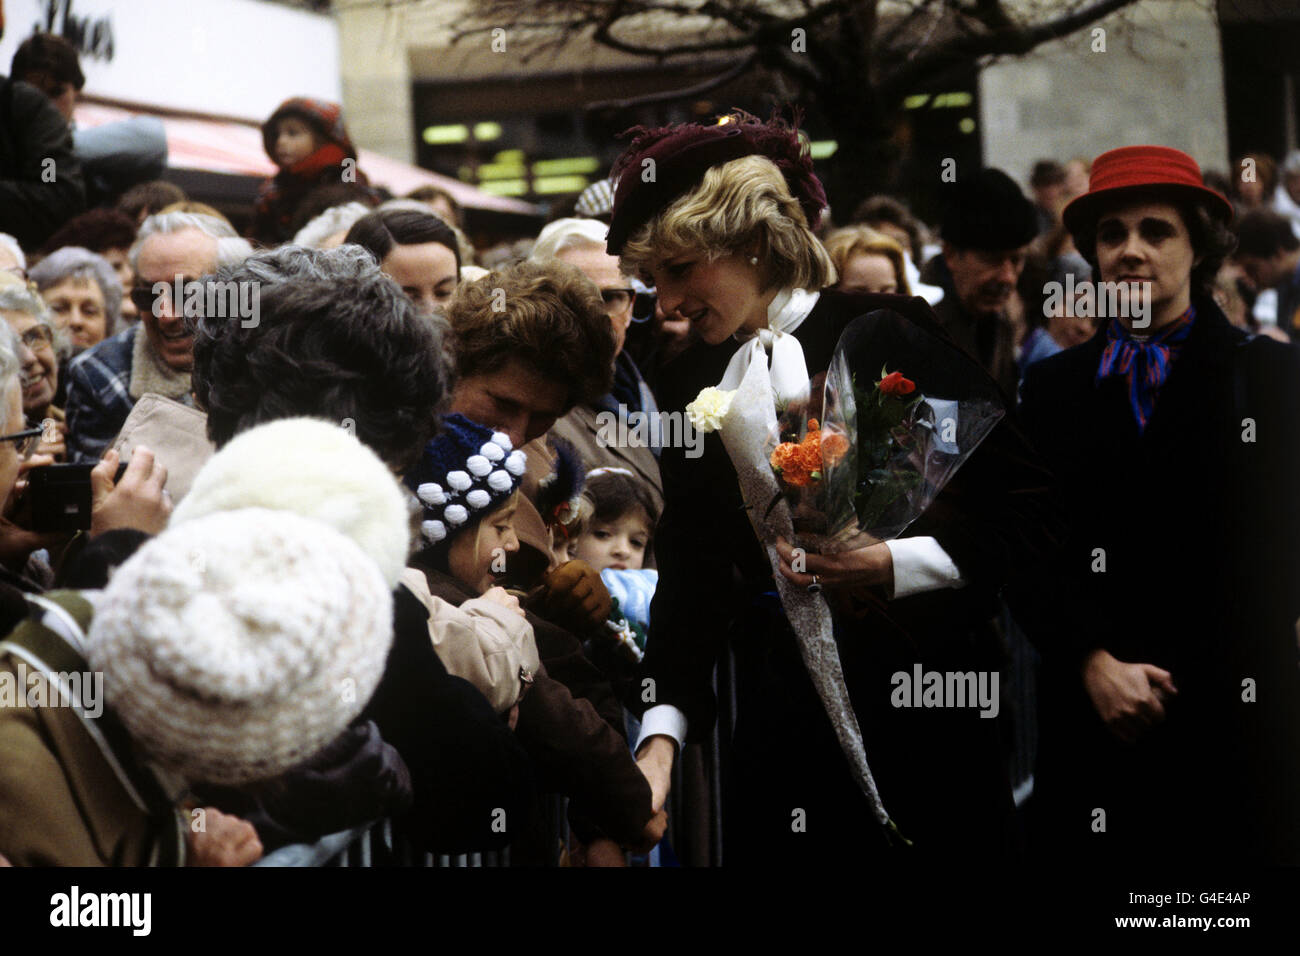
x=789, y=461
x=801, y=463
x=834, y=447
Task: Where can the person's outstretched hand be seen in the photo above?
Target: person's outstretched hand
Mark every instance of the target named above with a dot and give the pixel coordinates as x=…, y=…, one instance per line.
x=225, y=840
x=1129, y=698
x=575, y=597
x=137, y=501
x=655, y=761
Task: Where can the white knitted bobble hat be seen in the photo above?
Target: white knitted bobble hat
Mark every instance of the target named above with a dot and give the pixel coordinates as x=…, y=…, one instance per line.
x=314, y=468
x=237, y=645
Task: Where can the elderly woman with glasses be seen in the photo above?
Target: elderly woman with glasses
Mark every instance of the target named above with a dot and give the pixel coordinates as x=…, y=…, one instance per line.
x=83, y=294
x=37, y=353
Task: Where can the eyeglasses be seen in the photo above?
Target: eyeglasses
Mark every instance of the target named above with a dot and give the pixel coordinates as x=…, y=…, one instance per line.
x=616, y=300
x=38, y=337
x=144, y=296
x=25, y=442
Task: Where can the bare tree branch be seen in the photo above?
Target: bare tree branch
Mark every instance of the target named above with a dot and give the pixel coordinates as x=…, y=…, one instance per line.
x=774, y=31
x=670, y=96
x=1015, y=39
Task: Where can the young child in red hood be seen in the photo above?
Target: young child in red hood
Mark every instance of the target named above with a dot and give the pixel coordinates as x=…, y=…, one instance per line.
x=306, y=138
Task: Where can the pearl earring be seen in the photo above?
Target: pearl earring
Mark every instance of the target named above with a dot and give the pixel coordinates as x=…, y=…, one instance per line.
x=753, y=260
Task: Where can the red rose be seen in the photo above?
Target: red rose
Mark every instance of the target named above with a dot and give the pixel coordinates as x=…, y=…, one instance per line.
x=895, y=384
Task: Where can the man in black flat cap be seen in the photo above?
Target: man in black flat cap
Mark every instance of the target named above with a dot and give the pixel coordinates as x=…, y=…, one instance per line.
x=987, y=227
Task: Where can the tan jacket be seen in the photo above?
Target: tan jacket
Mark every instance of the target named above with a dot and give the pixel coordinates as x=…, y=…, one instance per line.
x=488, y=645
x=581, y=430
x=71, y=791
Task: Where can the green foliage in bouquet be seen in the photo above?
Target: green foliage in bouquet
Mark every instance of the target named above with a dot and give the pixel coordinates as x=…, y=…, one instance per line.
x=886, y=416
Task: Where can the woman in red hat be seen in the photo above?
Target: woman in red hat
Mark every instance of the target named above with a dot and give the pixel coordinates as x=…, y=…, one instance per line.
x=719, y=218
x=1168, y=697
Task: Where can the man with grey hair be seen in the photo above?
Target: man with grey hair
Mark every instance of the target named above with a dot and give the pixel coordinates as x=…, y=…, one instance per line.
x=581, y=243
x=171, y=252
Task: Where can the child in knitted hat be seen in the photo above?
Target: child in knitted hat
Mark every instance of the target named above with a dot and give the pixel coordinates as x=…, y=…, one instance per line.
x=468, y=481
x=468, y=484
x=306, y=138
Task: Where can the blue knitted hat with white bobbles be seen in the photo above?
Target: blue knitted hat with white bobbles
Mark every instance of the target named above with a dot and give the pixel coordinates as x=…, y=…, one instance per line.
x=464, y=473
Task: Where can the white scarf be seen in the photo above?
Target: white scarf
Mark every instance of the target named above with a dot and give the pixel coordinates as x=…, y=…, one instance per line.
x=788, y=372
x=749, y=423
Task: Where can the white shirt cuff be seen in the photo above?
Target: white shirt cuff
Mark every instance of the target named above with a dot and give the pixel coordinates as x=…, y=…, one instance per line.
x=663, y=719
x=920, y=565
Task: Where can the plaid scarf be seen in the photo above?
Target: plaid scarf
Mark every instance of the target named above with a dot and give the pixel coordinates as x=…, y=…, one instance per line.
x=1145, y=365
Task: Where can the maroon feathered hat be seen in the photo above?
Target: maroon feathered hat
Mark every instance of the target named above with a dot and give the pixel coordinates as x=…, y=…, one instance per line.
x=663, y=164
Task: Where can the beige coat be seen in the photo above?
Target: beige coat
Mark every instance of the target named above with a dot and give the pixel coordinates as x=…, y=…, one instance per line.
x=487, y=644
x=71, y=791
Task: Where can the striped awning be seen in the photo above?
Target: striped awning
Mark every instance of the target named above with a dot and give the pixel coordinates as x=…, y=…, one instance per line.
x=236, y=149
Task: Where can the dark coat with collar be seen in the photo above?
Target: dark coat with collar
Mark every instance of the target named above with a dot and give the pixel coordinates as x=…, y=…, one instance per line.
x=940, y=772
x=36, y=198
x=1200, y=534
x=572, y=727
x=465, y=765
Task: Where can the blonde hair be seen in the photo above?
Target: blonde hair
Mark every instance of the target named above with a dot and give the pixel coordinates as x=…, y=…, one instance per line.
x=742, y=207
x=511, y=503
x=843, y=244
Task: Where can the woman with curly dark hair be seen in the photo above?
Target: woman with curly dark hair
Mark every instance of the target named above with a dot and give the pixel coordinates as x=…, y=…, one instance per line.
x=334, y=338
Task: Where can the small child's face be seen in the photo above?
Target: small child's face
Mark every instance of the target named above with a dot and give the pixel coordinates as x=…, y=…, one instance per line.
x=478, y=558
x=294, y=141
x=618, y=544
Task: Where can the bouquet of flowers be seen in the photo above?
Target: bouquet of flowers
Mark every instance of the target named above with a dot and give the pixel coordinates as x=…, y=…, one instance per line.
x=858, y=469
x=884, y=448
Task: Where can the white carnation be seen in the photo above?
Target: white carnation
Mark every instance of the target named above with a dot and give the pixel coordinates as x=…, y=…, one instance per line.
x=710, y=408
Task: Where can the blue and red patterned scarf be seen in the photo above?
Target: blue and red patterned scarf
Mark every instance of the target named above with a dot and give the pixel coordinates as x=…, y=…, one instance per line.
x=1144, y=365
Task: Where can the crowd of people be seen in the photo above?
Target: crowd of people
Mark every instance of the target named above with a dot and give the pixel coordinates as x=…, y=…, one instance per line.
x=357, y=546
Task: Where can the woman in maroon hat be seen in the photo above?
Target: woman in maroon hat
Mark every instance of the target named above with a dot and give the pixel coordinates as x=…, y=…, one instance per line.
x=719, y=218
x=1168, y=700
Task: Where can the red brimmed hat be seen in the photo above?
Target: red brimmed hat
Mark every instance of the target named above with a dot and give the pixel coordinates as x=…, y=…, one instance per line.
x=1139, y=171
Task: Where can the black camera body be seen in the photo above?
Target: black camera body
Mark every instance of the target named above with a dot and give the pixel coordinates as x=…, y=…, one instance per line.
x=58, y=497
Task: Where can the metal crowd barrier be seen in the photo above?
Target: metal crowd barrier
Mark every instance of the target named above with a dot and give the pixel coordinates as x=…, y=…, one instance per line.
x=377, y=844
x=695, y=801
